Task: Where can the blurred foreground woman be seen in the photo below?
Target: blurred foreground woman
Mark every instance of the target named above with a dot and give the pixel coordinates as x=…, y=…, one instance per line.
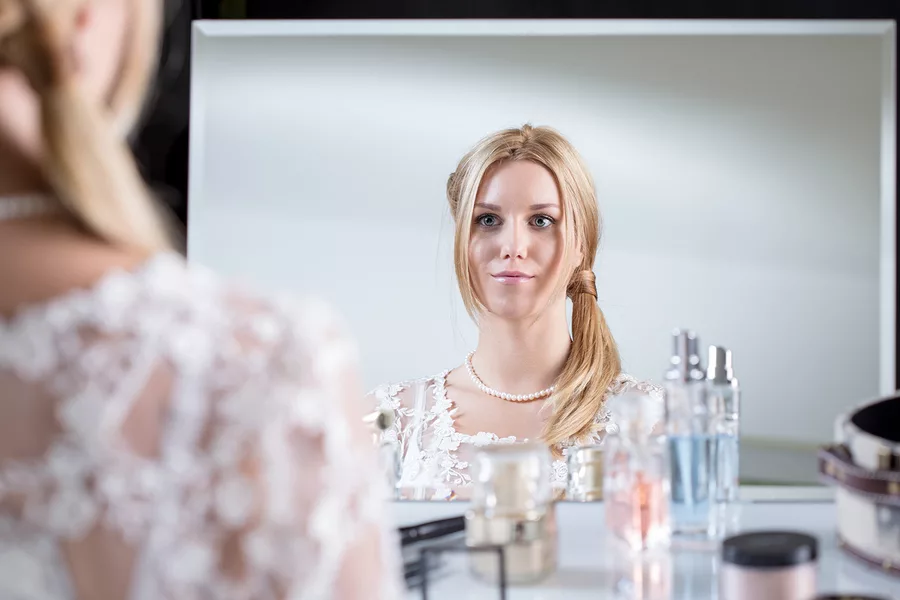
x=162, y=434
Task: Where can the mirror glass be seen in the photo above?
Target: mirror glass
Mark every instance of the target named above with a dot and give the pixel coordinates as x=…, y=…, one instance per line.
x=739, y=178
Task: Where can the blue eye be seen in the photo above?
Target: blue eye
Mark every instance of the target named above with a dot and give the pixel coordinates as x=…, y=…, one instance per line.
x=487, y=220
x=543, y=221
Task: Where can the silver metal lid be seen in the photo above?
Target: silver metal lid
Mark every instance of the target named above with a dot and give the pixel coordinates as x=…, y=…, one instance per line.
x=684, y=364
x=719, y=369
x=381, y=419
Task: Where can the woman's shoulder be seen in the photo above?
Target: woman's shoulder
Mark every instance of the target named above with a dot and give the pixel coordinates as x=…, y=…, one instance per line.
x=226, y=322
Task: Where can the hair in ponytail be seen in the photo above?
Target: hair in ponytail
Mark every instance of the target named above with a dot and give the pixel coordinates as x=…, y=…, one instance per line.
x=593, y=363
x=86, y=159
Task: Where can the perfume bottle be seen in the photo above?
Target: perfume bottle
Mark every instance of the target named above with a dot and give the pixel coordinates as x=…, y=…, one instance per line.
x=379, y=422
x=690, y=437
x=512, y=506
x=723, y=398
x=636, y=474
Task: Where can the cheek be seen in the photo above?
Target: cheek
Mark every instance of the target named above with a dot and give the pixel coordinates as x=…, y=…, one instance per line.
x=101, y=45
x=480, y=251
x=548, y=249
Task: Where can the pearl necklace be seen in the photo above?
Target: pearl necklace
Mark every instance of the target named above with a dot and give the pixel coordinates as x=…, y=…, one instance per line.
x=22, y=207
x=503, y=395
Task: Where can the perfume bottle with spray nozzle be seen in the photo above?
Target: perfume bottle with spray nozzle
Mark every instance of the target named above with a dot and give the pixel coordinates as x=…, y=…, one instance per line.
x=690, y=431
x=636, y=473
x=723, y=398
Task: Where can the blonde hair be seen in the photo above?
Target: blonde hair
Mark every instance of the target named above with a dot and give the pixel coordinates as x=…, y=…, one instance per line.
x=593, y=362
x=86, y=159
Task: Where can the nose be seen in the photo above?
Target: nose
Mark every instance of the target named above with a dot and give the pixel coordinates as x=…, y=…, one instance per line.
x=514, y=242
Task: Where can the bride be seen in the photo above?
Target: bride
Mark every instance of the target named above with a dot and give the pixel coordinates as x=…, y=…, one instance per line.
x=527, y=227
x=163, y=435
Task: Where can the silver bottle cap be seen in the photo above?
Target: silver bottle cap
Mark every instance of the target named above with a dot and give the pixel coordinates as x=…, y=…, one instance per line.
x=684, y=365
x=719, y=369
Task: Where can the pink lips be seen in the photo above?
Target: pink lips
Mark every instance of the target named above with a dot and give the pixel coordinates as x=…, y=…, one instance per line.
x=511, y=277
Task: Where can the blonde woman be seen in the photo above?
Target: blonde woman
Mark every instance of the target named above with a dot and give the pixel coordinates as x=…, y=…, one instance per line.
x=527, y=231
x=163, y=435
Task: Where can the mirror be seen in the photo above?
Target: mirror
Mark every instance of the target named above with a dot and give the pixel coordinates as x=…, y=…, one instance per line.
x=744, y=171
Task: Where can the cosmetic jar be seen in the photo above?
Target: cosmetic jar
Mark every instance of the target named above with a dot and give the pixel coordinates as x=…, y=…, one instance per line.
x=512, y=506
x=585, y=478
x=850, y=597
x=776, y=565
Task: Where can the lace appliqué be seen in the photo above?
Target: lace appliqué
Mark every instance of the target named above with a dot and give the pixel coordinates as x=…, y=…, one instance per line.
x=437, y=466
x=253, y=389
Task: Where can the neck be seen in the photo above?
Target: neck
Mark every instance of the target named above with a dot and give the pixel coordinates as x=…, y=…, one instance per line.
x=522, y=357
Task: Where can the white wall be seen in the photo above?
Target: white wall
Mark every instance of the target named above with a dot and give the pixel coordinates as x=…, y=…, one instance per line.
x=738, y=177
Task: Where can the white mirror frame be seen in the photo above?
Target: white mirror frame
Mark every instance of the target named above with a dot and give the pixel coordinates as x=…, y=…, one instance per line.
x=885, y=30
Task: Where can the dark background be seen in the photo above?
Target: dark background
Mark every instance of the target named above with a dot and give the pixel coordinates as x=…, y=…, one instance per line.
x=161, y=144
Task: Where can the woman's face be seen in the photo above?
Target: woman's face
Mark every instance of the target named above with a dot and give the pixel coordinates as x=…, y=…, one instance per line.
x=96, y=47
x=516, y=243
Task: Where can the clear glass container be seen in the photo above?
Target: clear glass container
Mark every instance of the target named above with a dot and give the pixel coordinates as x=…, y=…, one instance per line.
x=690, y=428
x=636, y=474
x=585, y=474
x=512, y=506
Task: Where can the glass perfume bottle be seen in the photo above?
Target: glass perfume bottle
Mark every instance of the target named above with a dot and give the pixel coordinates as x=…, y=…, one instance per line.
x=723, y=398
x=636, y=473
x=379, y=422
x=512, y=506
x=690, y=432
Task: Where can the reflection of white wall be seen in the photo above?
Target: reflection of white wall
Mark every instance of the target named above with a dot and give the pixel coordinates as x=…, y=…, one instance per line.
x=738, y=178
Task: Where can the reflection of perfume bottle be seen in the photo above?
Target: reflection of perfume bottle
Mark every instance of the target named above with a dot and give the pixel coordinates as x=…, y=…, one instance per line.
x=512, y=506
x=723, y=399
x=645, y=576
x=636, y=479
x=689, y=429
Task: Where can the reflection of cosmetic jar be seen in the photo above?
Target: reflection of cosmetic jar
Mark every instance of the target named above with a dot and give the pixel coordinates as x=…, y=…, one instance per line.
x=776, y=565
x=585, y=479
x=512, y=507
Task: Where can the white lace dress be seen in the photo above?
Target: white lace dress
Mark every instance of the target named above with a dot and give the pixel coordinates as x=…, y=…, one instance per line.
x=434, y=457
x=163, y=436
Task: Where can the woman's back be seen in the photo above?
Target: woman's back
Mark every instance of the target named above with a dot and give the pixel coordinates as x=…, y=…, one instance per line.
x=164, y=435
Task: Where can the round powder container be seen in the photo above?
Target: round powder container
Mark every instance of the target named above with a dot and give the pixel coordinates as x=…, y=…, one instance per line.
x=775, y=565
x=850, y=597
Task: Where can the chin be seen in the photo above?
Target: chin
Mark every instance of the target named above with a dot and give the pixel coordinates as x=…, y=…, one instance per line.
x=513, y=310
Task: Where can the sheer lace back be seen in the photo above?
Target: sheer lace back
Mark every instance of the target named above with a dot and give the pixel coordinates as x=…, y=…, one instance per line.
x=163, y=435
x=434, y=457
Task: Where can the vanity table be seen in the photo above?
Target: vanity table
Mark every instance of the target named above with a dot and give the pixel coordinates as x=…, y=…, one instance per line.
x=587, y=568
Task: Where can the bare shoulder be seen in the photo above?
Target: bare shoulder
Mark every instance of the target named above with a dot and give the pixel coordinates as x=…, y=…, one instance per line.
x=45, y=260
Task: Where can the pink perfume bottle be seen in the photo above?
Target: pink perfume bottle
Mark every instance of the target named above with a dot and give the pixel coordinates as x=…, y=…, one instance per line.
x=636, y=484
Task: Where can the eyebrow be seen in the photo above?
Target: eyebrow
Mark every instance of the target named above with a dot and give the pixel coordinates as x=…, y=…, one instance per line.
x=532, y=207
